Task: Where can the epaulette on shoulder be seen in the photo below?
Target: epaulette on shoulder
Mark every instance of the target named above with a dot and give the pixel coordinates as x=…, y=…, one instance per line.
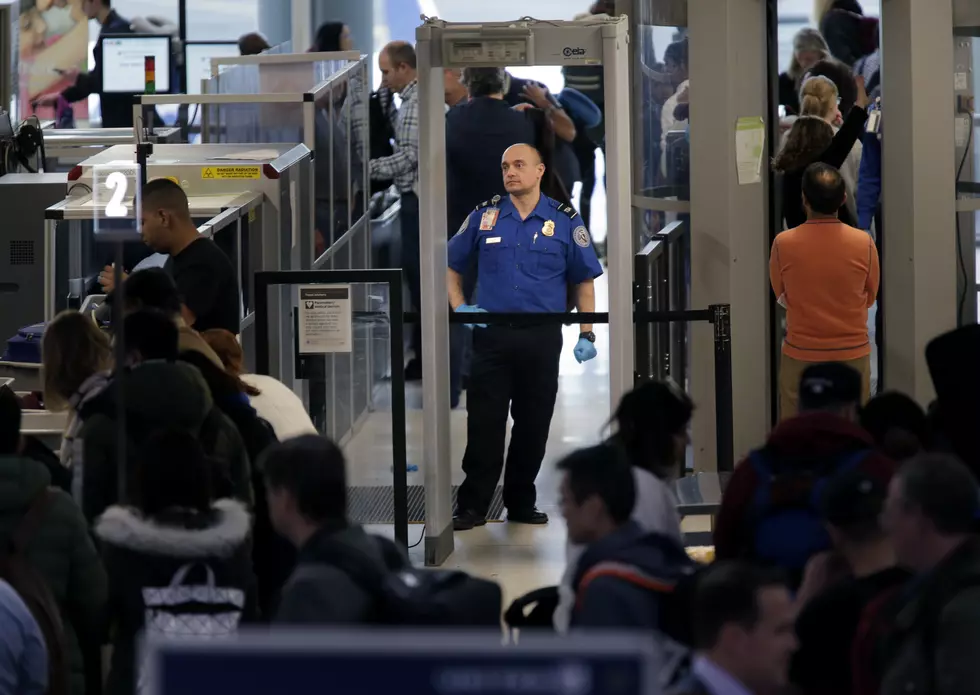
x=567, y=209
x=488, y=203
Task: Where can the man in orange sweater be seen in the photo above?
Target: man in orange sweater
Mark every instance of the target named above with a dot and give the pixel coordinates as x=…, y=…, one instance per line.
x=826, y=274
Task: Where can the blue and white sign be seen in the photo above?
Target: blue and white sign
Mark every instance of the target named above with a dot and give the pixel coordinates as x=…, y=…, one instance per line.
x=406, y=663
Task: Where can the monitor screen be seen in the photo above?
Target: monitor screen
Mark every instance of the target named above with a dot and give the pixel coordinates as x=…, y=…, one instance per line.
x=197, y=61
x=123, y=63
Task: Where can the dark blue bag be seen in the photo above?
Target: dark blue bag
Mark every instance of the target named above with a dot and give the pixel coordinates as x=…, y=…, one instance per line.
x=25, y=347
x=787, y=528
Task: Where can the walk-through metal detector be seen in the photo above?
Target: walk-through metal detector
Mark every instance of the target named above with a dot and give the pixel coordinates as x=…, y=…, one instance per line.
x=442, y=45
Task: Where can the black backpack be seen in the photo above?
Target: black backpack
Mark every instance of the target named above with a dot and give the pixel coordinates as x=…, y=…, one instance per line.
x=410, y=596
x=30, y=585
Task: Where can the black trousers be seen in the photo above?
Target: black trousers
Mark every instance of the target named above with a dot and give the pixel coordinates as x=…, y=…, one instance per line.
x=408, y=219
x=513, y=369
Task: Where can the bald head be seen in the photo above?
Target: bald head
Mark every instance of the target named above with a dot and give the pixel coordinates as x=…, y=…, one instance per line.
x=397, y=63
x=524, y=152
x=824, y=190
x=523, y=169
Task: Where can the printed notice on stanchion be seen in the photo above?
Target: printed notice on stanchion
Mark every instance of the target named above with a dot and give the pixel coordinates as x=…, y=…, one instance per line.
x=325, y=324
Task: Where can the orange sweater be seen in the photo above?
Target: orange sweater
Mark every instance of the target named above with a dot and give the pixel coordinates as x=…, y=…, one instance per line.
x=828, y=273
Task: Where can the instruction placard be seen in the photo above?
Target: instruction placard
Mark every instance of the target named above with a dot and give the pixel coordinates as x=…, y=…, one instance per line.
x=230, y=173
x=750, y=143
x=325, y=324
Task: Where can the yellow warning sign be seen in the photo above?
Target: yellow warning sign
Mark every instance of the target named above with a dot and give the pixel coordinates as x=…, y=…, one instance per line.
x=251, y=215
x=231, y=173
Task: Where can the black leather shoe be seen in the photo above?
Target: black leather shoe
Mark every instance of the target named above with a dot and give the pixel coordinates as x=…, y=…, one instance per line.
x=413, y=370
x=464, y=521
x=532, y=516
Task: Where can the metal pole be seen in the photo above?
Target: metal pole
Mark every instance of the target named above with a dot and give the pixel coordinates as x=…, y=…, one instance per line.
x=118, y=316
x=724, y=431
x=262, y=337
x=663, y=276
x=643, y=292
x=399, y=444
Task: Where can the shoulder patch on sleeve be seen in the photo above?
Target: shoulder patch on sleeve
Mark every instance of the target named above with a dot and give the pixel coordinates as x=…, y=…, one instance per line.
x=462, y=227
x=581, y=237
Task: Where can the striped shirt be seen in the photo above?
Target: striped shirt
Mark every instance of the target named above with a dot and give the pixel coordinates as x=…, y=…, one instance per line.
x=403, y=165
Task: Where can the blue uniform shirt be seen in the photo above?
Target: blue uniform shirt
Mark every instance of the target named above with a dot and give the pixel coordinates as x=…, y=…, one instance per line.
x=521, y=268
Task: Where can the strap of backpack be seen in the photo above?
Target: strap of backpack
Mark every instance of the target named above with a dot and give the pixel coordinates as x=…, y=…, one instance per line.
x=626, y=573
x=30, y=522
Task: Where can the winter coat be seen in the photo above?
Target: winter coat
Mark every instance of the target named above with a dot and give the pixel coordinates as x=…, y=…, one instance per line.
x=319, y=592
x=23, y=654
x=655, y=510
x=843, y=30
x=158, y=395
x=612, y=602
x=946, y=605
x=810, y=439
x=280, y=407
x=63, y=553
x=142, y=557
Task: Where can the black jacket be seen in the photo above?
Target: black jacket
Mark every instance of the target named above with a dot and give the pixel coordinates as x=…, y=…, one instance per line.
x=842, y=28
x=473, y=171
x=142, y=555
x=608, y=601
x=117, y=109
x=158, y=395
x=834, y=155
x=273, y=557
x=321, y=593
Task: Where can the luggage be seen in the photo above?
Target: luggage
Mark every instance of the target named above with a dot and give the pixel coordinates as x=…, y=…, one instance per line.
x=787, y=528
x=408, y=596
x=25, y=347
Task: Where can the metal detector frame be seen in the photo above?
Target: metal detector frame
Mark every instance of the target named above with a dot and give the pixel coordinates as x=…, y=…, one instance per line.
x=593, y=41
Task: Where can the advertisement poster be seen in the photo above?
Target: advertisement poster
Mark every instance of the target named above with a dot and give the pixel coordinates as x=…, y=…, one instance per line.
x=53, y=49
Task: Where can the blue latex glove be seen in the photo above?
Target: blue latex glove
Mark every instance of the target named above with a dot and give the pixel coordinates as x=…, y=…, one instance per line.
x=584, y=350
x=471, y=309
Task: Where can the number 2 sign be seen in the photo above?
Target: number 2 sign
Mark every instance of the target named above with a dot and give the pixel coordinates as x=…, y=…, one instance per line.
x=116, y=197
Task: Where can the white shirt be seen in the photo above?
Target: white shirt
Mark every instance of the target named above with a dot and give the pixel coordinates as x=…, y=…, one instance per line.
x=280, y=407
x=668, y=123
x=717, y=680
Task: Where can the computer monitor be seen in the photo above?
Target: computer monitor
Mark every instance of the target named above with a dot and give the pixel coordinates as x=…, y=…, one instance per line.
x=197, y=60
x=123, y=62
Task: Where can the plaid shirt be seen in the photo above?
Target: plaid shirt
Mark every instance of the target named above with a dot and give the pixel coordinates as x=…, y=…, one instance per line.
x=403, y=165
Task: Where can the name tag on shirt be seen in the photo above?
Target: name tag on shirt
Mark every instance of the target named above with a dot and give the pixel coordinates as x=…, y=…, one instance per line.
x=492, y=240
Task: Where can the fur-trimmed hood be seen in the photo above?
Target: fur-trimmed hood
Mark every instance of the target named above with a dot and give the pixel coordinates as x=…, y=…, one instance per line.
x=126, y=528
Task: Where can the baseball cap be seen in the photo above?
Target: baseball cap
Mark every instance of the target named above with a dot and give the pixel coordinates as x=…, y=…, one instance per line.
x=852, y=498
x=829, y=384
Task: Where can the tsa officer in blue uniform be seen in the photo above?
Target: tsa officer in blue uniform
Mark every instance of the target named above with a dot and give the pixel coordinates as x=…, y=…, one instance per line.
x=528, y=249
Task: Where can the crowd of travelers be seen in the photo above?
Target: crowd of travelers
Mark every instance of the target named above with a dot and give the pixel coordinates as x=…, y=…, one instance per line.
x=846, y=559
x=191, y=499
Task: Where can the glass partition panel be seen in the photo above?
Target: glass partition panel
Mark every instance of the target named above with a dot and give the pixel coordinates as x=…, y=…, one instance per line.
x=661, y=123
x=349, y=398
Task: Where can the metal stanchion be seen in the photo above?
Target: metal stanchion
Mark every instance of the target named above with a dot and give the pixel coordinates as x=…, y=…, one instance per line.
x=724, y=429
